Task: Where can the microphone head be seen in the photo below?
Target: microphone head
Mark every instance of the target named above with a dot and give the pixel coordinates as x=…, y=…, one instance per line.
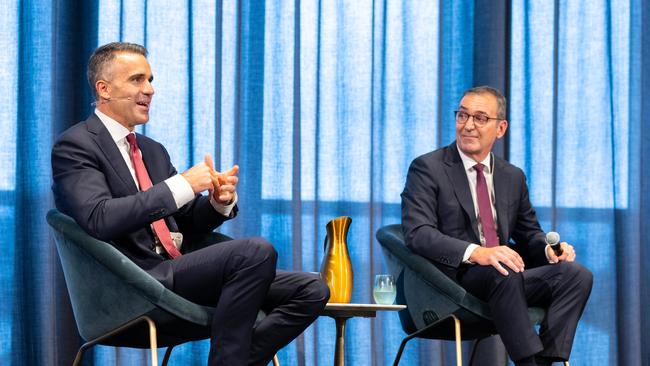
x=552, y=238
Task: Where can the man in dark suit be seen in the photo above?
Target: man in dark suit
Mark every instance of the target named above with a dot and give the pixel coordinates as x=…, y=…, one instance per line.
x=122, y=188
x=468, y=212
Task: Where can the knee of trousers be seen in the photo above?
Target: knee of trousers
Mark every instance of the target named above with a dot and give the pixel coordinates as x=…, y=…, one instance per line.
x=314, y=291
x=318, y=292
x=580, y=276
x=259, y=250
x=317, y=289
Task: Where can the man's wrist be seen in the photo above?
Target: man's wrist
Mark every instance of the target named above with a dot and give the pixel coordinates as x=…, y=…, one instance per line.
x=468, y=253
x=224, y=209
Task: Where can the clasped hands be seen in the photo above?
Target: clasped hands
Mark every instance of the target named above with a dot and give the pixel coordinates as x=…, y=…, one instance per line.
x=220, y=185
x=502, y=255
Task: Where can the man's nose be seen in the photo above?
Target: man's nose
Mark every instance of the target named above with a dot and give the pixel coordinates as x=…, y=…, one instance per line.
x=148, y=88
x=469, y=126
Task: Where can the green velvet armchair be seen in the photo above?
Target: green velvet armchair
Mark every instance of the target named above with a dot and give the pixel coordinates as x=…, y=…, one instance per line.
x=116, y=303
x=437, y=307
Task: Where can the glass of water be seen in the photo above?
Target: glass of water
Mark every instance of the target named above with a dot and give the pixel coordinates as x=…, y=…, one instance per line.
x=384, y=290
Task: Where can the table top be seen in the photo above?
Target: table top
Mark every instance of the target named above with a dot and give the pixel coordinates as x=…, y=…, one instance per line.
x=341, y=310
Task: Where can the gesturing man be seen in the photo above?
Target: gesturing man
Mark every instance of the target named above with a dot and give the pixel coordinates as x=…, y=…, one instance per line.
x=468, y=212
x=121, y=187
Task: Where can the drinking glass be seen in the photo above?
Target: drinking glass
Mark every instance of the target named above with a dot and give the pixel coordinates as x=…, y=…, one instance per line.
x=384, y=290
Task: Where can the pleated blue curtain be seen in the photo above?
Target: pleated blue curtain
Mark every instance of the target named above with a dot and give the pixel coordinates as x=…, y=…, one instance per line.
x=27, y=266
x=323, y=104
x=576, y=129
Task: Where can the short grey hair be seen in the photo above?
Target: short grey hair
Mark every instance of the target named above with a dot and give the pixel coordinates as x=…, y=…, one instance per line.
x=501, y=100
x=102, y=57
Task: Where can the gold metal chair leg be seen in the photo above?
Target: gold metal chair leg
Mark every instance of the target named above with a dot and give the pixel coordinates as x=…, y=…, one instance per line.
x=168, y=354
x=459, y=348
x=80, y=353
x=152, y=340
x=276, y=362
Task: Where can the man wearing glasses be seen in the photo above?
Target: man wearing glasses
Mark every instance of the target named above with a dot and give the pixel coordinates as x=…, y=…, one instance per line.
x=468, y=212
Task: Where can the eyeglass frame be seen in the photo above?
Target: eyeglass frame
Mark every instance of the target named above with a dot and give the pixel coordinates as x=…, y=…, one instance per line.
x=477, y=121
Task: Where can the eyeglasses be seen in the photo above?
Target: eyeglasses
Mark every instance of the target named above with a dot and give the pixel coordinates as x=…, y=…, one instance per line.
x=479, y=119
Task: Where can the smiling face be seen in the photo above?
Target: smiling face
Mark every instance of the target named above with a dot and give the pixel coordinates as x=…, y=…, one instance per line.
x=124, y=91
x=477, y=141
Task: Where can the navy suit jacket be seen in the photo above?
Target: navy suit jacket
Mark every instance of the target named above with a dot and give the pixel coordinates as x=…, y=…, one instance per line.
x=93, y=184
x=439, y=219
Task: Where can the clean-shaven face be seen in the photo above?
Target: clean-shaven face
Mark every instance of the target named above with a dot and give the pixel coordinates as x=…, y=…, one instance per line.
x=127, y=94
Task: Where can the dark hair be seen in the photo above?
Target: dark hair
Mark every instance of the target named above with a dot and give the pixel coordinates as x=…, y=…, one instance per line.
x=501, y=100
x=103, y=56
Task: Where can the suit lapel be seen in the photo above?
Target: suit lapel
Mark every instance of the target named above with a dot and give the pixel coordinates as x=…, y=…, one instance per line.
x=109, y=148
x=501, y=183
x=456, y=173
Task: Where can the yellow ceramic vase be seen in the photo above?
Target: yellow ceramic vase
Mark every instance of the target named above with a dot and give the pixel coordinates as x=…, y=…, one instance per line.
x=336, y=268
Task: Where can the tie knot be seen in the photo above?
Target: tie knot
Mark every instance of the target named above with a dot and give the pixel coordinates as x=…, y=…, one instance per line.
x=479, y=167
x=131, y=139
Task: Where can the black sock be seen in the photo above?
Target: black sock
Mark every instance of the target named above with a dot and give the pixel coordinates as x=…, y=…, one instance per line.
x=526, y=361
x=543, y=361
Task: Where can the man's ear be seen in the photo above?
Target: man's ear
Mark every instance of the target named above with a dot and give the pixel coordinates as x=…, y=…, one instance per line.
x=501, y=128
x=103, y=89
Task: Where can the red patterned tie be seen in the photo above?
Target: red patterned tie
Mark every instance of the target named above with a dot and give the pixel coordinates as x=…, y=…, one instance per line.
x=485, y=209
x=159, y=227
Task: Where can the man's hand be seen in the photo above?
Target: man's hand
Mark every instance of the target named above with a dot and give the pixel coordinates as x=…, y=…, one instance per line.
x=496, y=256
x=199, y=177
x=568, y=253
x=224, y=185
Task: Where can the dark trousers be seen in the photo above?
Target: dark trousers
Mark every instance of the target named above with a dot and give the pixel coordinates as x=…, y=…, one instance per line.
x=239, y=278
x=562, y=288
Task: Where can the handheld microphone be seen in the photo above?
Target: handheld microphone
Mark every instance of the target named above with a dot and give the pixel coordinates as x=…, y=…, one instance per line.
x=553, y=239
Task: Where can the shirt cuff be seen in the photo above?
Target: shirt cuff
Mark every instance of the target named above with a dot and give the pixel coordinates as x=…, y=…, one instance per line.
x=468, y=252
x=181, y=190
x=223, y=209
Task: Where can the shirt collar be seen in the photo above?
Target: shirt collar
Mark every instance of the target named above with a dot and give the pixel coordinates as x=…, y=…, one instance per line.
x=117, y=131
x=469, y=163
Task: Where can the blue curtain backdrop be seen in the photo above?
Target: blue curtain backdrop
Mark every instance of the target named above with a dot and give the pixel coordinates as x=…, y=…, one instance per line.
x=324, y=104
